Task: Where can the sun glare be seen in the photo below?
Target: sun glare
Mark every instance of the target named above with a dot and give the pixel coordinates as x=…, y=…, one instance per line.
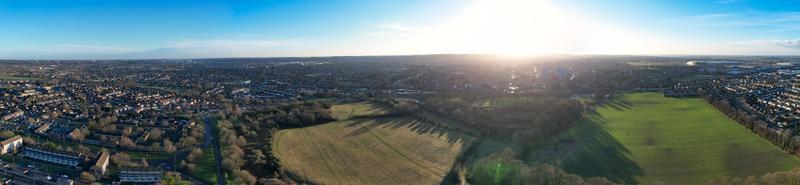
x=519, y=28
x=510, y=27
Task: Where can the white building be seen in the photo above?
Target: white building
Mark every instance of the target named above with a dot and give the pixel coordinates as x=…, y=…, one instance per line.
x=101, y=164
x=10, y=144
x=53, y=156
x=141, y=175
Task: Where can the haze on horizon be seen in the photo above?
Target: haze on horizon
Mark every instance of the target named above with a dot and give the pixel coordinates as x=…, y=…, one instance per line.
x=95, y=29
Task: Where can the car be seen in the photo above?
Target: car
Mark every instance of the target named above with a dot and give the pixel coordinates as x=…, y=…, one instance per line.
x=48, y=178
x=31, y=166
x=64, y=176
x=26, y=172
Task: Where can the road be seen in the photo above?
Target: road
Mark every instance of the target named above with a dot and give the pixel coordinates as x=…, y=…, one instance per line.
x=211, y=129
x=32, y=177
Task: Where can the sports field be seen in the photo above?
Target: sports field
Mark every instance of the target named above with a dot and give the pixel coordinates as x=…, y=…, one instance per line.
x=646, y=137
x=395, y=150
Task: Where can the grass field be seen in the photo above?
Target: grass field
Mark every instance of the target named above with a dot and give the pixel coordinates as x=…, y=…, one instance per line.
x=206, y=167
x=645, y=137
x=502, y=102
x=397, y=150
x=347, y=111
x=16, y=78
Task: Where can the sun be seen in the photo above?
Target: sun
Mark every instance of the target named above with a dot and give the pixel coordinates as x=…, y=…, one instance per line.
x=521, y=28
x=510, y=27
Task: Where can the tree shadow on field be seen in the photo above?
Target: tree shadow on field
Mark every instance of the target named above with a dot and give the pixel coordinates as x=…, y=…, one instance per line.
x=617, y=102
x=596, y=153
x=417, y=126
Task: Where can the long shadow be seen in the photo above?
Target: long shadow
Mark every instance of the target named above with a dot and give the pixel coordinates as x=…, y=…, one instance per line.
x=415, y=125
x=419, y=127
x=596, y=153
x=616, y=101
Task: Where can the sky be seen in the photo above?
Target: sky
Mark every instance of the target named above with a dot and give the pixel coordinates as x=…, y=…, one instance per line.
x=121, y=29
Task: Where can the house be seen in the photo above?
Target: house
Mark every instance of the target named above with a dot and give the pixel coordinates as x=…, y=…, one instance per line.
x=101, y=164
x=43, y=129
x=141, y=175
x=75, y=134
x=11, y=144
x=13, y=115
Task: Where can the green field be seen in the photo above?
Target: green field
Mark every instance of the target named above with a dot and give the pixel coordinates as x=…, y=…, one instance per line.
x=396, y=150
x=502, y=102
x=645, y=137
x=206, y=167
x=16, y=78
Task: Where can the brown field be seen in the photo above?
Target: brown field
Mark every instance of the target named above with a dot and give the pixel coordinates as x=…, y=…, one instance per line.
x=399, y=150
x=347, y=111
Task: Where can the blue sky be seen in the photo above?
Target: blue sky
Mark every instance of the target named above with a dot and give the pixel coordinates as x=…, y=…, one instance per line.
x=35, y=29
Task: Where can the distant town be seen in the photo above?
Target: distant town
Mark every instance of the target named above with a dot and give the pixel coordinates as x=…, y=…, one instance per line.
x=212, y=121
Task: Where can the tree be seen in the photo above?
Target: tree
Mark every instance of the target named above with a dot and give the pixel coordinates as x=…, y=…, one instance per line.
x=126, y=142
x=7, y=134
x=168, y=146
x=28, y=141
x=194, y=155
x=308, y=118
x=173, y=178
x=191, y=167
x=232, y=163
x=155, y=134
x=84, y=150
x=87, y=177
x=188, y=141
x=144, y=163
x=245, y=177
x=241, y=141
x=155, y=146
x=121, y=159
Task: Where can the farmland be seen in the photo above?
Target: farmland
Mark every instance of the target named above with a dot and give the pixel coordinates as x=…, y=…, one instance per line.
x=645, y=137
x=395, y=150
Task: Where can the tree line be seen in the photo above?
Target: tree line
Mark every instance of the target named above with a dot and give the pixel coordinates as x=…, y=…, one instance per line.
x=732, y=107
x=247, y=139
x=516, y=117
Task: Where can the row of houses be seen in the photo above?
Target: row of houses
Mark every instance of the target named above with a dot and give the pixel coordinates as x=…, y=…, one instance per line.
x=129, y=175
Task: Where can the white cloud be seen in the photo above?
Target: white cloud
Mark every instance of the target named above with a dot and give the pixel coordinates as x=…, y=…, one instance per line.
x=774, y=21
x=794, y=44
x=755, y=47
